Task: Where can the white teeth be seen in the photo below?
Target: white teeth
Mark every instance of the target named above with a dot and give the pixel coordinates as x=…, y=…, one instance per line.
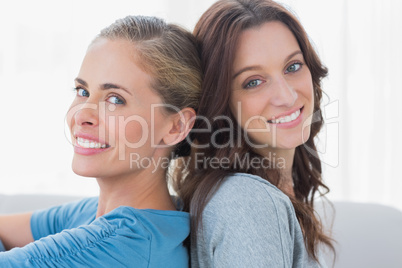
x=286, y=119
x=90, y=144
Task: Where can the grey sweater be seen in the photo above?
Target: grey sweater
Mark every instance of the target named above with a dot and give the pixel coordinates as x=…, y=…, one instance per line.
x=250, y=223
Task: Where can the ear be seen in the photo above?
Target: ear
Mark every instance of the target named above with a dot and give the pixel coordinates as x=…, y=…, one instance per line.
x=183, y=122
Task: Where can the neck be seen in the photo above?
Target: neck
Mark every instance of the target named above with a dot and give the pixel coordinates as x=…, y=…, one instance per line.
x=283, y=159
x=142, y=189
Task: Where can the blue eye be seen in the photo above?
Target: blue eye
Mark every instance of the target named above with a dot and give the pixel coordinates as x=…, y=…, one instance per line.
x=293, y=67
x=116, y=100
x=253, y=83
x=82, y=92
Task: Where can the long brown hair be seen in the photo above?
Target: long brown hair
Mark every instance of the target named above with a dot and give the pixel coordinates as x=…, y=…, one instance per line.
x=217, y=33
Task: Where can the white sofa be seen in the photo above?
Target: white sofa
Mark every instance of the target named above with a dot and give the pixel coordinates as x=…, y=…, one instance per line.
x=367, y=235
x=29, y=202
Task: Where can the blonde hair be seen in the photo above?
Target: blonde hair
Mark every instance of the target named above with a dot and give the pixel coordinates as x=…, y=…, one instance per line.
x=166, y=51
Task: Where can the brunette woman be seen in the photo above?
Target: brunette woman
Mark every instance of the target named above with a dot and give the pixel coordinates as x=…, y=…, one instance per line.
x=254, y=171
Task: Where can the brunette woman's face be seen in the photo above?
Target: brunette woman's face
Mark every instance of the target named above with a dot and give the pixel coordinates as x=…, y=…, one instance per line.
x=113, y=120
x=272, y=90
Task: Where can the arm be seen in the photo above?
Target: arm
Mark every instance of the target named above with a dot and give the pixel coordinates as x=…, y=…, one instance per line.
x=18, y=230
x=106, y=242
x=246, y=224
x=15, y=230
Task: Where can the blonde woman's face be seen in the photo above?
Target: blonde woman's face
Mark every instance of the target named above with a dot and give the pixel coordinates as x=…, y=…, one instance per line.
x=114, y=118
x=272, y=89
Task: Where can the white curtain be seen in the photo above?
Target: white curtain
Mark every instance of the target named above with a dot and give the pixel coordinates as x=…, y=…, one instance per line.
x=43, y=42
x=360, y=42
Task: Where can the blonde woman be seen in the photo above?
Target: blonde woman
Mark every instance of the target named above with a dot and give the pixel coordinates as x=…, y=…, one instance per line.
x=136, y=95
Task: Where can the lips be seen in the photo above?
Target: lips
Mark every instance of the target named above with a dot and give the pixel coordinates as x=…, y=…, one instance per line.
x=286, y=118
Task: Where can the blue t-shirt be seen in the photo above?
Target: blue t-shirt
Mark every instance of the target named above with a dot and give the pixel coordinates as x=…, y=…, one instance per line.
x=70, y=236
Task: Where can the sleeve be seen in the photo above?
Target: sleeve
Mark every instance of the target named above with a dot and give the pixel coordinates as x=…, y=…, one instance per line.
x=104, y=243
x=2, y=247
x=55, y=219
x=247, y=224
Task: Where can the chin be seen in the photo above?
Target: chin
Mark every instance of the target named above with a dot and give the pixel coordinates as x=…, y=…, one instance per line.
x=84, y=173
x=289, y=144
x=84, y=169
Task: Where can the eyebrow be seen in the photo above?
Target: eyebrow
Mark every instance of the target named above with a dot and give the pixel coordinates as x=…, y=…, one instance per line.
x=293, y=54
x=248, y=68
x=256, y=67
x=105, y=86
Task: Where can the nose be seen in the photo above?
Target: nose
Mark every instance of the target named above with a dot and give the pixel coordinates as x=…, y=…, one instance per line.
x=283, y=94
x=87, y=114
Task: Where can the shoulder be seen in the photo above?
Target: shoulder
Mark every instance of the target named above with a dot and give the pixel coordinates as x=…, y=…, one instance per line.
x=248, y=222
x=160, y=232
x=70, y=215
x=80, y=207
x=249, y=182
x=76, y=207
x=83, y=204
x=163, y=228
x=241, y=190
x=153, y=222
x=248, y=201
